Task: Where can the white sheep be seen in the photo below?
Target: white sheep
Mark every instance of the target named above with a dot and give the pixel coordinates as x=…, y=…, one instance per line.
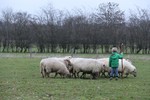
x=87, y=66
x=57, y=65
x=128, y=67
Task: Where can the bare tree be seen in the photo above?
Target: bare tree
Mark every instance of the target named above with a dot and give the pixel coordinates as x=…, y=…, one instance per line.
x=7, y=17
x=78, y=32
x=22, y=34
x=111, y=18
x=140, y=32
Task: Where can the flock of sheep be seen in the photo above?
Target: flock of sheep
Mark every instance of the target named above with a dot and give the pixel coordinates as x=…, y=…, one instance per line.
x=71, y=67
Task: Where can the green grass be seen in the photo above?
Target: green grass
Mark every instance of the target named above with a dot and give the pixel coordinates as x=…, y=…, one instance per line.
x=20, y=79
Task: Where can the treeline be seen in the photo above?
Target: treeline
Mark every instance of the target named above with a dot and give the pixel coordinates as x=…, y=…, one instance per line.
x=55, y=31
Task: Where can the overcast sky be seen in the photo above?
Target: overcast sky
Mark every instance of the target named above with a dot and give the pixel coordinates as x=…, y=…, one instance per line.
x=34, y=6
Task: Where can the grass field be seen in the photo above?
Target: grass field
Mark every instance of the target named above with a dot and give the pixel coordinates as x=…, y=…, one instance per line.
x=20, y=79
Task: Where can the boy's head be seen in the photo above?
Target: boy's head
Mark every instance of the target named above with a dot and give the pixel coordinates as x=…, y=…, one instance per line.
x=114, y=49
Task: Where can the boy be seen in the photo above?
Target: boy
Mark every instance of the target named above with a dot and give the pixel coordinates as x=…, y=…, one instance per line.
x=114, y=62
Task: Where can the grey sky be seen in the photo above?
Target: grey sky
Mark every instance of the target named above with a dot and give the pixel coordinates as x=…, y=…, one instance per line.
x=34, y=6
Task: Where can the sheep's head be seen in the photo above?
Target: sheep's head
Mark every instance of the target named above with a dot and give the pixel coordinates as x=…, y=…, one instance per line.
x=134, y=73
x=68, y=64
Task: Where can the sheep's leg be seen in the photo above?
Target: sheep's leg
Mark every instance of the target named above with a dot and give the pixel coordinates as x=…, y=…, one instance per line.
x=103, y=74
x=78, y=74
x=42, y=74
x=74, y=74
x=83, y=75
x=99, y=74
x=46, y=74
x=55, y=75
x=122, y=74
x=126, y=75
x=95, y=75
x=108, y=74
x=71, y=73
x=119, y=73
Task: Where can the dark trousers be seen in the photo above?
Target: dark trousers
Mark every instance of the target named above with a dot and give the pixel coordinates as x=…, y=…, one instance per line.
x=114, y=72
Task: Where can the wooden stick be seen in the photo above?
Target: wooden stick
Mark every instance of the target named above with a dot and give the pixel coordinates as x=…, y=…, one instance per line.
x=121, y=50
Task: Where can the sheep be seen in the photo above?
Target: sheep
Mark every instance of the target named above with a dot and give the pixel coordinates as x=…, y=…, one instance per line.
x=128, y=67
x=57, y=65
x=87, y=66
